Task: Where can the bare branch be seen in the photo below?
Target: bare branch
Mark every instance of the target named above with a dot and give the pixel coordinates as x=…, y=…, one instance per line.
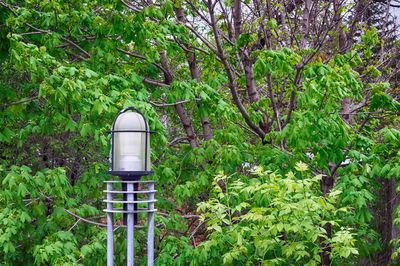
x=84, y=219
x=76, y=46
x=198, y=35
x=25, y=100
x=172, y=104
x=155, y=82
x=177, y=140
x=232, y=82
x=131, y=7
x=139, y=56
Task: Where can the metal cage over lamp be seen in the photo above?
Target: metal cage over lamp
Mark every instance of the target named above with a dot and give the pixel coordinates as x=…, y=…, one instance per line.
x=130, y=145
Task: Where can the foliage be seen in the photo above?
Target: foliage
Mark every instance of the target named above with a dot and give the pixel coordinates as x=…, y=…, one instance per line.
x=277, y=129
x=272, y=220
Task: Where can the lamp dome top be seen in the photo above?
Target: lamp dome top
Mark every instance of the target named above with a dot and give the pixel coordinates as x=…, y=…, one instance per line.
x=130, y=119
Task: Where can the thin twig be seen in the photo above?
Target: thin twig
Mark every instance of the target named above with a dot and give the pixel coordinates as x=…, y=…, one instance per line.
x=177, y=140
x=136, y=55
x=195, y=231
x=172, y=104
x=41, y=31
x=155, y=82
x=84, y=219
x=77, y=221
x=21, y=101
x=94, y=223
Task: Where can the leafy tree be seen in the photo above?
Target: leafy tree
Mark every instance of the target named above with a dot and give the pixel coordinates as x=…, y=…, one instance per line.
x=248, y=89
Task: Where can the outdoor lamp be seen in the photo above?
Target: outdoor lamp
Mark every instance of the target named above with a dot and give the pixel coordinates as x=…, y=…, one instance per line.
x=130, y=150
x=130, y=160
x=130, y=145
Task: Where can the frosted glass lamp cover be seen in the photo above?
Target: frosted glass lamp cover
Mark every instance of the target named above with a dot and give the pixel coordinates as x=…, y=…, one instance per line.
x=130, y=143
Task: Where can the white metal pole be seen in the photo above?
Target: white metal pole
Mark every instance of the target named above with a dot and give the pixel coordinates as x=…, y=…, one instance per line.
x=131, y=227
x=110, y=231
x=150, y=227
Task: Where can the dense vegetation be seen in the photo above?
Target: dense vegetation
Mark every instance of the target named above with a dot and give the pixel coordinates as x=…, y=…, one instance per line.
x=277, y=129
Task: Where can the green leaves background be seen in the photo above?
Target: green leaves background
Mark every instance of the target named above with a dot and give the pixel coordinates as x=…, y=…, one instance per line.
x=69, y=66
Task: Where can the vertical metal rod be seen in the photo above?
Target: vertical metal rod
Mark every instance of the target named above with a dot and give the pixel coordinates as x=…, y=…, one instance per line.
x=150, y=227
x=124, y=205
x=135, y=206
x=131, y=228
x=110, y=231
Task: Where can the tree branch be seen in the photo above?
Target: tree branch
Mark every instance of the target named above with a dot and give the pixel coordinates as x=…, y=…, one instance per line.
x=84, y=219
x=136, y=55
x=232, y=83
x=155, y=82
x=172, y=104
x=25, y=100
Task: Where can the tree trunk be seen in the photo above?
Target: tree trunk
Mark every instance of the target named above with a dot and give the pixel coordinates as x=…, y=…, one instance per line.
x=385, y=213
x=195, y=73
x=327, y=183
x=185, y=120
x=187, y=124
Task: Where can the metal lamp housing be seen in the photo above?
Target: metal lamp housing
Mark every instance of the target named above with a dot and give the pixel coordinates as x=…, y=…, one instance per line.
x=130, y=145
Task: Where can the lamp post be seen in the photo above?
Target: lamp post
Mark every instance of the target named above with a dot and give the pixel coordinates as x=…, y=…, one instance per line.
x=130, y=160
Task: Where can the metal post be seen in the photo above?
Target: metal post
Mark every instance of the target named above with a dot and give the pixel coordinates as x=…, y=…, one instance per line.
x=135, y=206
x=110, y=231
x=124, y=206
x=150, y=227
x=131, y=227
